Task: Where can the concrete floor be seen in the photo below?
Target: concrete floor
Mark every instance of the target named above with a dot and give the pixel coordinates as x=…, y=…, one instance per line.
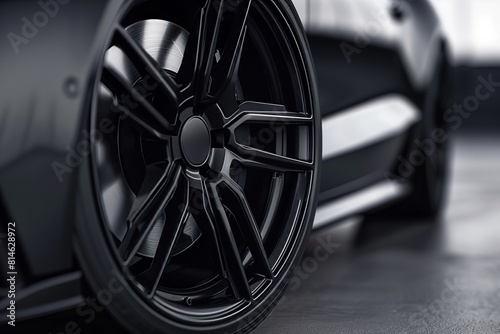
x=397, y=276
x=400, y=277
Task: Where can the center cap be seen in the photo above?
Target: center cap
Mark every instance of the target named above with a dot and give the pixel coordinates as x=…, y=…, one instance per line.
x=195, y=141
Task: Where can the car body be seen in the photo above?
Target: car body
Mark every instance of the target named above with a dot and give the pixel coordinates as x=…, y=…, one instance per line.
x=374, y=98
x=375, y=60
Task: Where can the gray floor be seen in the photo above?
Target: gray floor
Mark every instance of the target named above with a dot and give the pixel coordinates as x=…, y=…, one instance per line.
x=396, y=277
x=399, y=277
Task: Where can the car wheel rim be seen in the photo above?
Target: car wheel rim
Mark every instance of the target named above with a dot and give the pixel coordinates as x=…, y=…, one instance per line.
x=205, y=183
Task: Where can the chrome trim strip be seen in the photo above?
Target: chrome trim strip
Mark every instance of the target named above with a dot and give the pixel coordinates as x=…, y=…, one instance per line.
x=367, y=123
x=358, y=202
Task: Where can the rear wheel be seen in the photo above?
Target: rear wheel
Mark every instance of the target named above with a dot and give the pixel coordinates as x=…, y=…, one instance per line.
x=204, y=185
x=429, y=180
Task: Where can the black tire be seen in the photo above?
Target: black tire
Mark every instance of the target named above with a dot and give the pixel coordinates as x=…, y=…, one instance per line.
x=225, y=262
x=429, y=180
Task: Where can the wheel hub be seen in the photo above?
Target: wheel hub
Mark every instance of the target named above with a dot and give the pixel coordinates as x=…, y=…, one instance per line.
x=195, y=141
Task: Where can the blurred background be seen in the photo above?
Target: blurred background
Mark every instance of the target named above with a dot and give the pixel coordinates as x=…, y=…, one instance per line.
x=473, y=32
x=390, y=276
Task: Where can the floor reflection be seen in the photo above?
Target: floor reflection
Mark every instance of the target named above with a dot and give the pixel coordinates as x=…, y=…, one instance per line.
x=393, y=276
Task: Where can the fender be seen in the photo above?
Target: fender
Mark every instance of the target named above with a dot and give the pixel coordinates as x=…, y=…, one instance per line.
x=416, y=35
x=44, y=96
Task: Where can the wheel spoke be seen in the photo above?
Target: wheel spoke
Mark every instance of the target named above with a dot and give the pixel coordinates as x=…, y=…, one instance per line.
x=255, y=158
x=272, y=115
x=226, y=66
x=156, y=192
x=148, y=67
x=237, y=203
x=190, y=62
x=199, y=211
x=135, y=106
x=275, y=118
x=200, y=49
x=229, y=250
x=174, y=225
x=216, y=57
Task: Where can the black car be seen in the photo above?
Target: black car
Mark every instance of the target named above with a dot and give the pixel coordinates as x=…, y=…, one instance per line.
x=161, y=160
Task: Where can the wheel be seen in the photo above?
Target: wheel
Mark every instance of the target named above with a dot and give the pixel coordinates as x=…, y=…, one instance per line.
x=198, y=198
x=429, y=179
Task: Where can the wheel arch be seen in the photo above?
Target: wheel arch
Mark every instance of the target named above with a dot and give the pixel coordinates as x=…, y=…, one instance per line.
x=44, y=93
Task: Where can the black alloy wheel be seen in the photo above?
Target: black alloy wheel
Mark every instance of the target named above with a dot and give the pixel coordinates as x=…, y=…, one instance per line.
x=204, y=188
